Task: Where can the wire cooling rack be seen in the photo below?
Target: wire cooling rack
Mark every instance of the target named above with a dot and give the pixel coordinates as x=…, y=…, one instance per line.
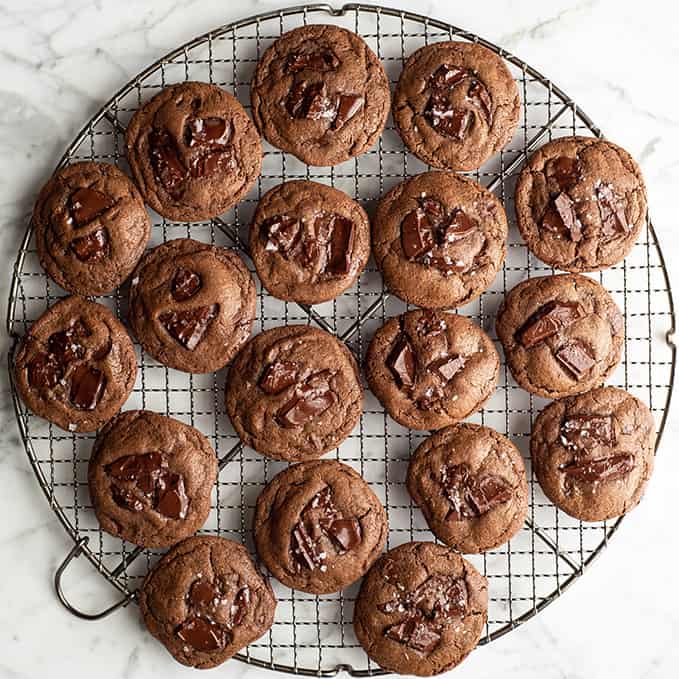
x=313, y=635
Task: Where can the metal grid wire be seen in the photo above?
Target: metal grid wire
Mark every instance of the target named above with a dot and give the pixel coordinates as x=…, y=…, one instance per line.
x=313, y=634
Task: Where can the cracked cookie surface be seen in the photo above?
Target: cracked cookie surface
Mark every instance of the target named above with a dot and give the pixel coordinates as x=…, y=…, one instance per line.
x=76, y=365
x=192, y=304
x=421, y=609
x=593, y=453
x=431, y=369
x=205, y=601
x=580, y=203
x=193, y=151
x=318, y=526
x=470, y=483
x=91, y=227
x=151, y=478
x=294, y=393
x=439, y=239
x=320, y=93
x=308, y=241
x=562, y=335
x=456, y=105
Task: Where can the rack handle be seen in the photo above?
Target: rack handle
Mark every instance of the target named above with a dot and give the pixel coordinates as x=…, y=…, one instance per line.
x=73, y=554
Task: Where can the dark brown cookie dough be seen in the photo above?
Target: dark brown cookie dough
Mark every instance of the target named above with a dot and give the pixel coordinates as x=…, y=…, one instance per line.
x=456, y=105
x=192, y=305
x=470, y=483
x=318, y=527
x=439, y=239
x=150, y=478
x=562, y=335
x=320, y=93
x=294, y=393
x=309, y=242
x=76, y=366
x=193, y=151
x=91, y=227
x=430, y=369
x=205, y=600
x=421, y=609
x=580, y=203
x=593, y=453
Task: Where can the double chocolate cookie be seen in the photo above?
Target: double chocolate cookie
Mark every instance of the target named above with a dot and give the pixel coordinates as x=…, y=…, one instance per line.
x=76, y=366
x=91, y=227
x=294, y=393
x=439, y=239
x=320, y=93
x=580, y=203
x=318, y=527
x=205, y=600
x=192, y=305
x=309, y=242
x=456, y=105
x=193, y=151
x=150, y=478
x=562, y=335
x=470, y=483
x=593, y=453
x=431, y=369
x=421, y=609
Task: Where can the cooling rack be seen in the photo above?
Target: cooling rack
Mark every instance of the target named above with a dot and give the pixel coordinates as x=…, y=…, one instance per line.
x=312, y=635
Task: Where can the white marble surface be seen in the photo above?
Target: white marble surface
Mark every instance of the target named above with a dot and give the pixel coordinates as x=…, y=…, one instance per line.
x=61, y=59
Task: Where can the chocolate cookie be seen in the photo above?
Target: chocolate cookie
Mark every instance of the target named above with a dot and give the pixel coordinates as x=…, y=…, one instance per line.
x=76, y=366
x=318, y=527
x=320, y=93
x=91, y=227
x=580, y=203
x=593, y=453
x=439, y=239
x=470, y=483
x=456, y=105
x=205, y=600
x=421, y=609
x=150, y=478
x=309, y=242
x=294, y=393
x=562, y=335
x=193, y=151
x=430, y=369
x=192, y=305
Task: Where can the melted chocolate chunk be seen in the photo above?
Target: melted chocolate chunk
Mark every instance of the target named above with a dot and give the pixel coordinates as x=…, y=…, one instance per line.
x=189, y=326
x=576, y=357
x=601, y=469
x=207, y=132
x=612, y=211
x=185, y=284
x=278, y=376
x=547, y=321
x=93, y=247
x=348, y=105
x=416, y=234
x=430, y=325
x=402, y=363
x=202, y=634
x=479, y=96
x=66, y=345
x=87, y=387
x=584, y=432
x=167, y=167
x=471, y=495
x=173, y=501
x=561, y=218
x=322, y=60
x=310, y=399
x=563, y=171
x=341, y=246
x=206, y=164
x=44, y=372
x=86, y=204
x=449, y=366
x=282, y=234
x=310, y=101
x=322, y=527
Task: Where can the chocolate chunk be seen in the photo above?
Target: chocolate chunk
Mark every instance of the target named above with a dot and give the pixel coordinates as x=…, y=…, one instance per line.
x=584, y=432
x=479, y=96
x=65, y=345
x=563, y=171
x=87, y=387
x=416, y=633
x=402, y=363
x=202, y=595
x=44, y=372
x=416, y=234
x=471, y=495
x=282, y=234
x=347, y=107
x=240, y=605
x=207, y=132
x=185, y=284
x=323, y=60
x=430, y=325
x=562, y=218
x=447, y=76
x=345, y=532
x=126, y=498
x=206, y=164
x=602, y=469
x=451, y=122
x=202, y=634
x=189, y=326
x=549, y=320
x=173, y=501
x=278, y=376
x=449, y=366
x=433, y=208
x=612, y=211
x=310, y=101
x=85, y=204
x=575, y=357
x=459, y=226
x=311, y=399
x=93, y=247
x=167, y=167
x=144, y=469
x=340, y=246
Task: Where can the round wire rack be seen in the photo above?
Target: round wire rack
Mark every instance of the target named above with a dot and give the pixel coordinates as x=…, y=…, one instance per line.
x=313, y=635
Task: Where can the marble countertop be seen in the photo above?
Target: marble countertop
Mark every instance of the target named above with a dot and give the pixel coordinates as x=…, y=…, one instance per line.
x=60, y=59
